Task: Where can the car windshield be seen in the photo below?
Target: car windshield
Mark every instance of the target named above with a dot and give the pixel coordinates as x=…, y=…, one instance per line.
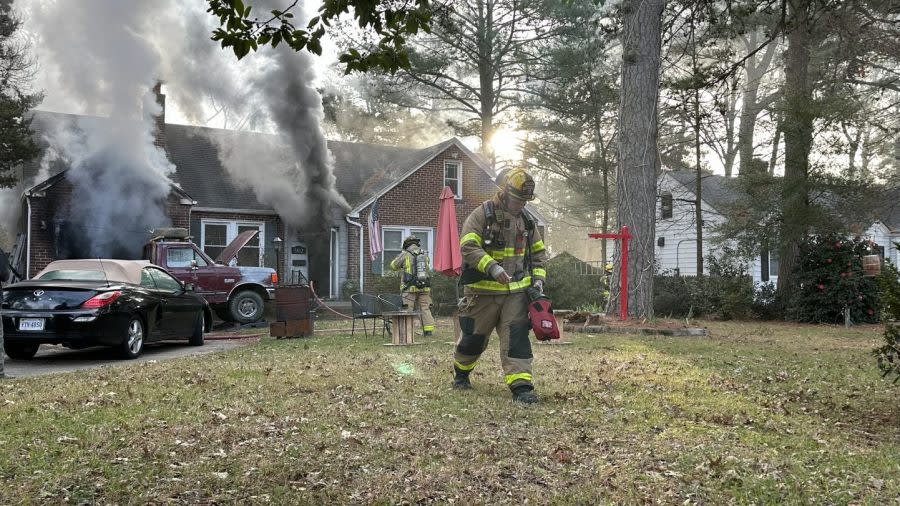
x=73, y=275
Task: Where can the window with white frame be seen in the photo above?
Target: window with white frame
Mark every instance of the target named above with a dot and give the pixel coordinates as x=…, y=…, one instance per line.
x=216, y=234
x=453, y=176
x=392, y=239
x=665, y=205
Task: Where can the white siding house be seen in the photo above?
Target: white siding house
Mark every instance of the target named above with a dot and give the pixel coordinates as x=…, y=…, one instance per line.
x=676, y=232
x=676, y=224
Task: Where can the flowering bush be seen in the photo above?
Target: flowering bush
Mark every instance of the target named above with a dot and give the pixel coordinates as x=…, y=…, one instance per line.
x=830, y=277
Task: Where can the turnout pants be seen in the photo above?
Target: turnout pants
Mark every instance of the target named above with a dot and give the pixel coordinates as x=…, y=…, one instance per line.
x=420, y=301
x=479, y=315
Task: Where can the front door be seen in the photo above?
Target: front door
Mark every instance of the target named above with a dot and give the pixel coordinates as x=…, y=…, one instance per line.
x=299, y=262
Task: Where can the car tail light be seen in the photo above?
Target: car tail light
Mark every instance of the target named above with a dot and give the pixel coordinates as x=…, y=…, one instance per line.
x=101, y=300
x=274, y=278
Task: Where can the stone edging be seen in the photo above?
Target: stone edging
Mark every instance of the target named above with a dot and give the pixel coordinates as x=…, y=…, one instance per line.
x=647, y=331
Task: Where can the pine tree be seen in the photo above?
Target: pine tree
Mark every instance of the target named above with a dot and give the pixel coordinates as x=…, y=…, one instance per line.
x=16, y=71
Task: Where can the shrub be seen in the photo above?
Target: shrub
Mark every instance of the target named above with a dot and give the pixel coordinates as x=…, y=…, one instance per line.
x=764, y=303
x=829, y=277
x=568, y=288
x=443, y=290
x=725, y=294
x=889, y=355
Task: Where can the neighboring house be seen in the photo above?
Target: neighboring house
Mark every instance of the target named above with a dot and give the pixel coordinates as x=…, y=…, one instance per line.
x=406, y=183
x=676, y=232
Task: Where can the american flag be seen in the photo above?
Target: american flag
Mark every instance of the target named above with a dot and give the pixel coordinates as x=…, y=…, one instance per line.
x=375, y=246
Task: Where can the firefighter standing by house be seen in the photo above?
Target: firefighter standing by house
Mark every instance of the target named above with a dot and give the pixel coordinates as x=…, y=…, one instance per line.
x=504, y=256
x=415, y=282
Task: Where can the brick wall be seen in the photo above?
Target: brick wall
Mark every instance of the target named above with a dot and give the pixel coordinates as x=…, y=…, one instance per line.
x=415, y=203
x=45, y=210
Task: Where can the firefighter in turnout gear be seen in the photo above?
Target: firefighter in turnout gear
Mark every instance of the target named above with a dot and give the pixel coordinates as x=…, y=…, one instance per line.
x=504, y=256
x=415, y=283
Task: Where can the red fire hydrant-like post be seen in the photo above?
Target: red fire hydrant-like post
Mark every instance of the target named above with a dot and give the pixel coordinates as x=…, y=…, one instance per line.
x=623, y=236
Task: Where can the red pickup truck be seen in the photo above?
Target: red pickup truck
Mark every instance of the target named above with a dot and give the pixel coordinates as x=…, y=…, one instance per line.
x=235, y=293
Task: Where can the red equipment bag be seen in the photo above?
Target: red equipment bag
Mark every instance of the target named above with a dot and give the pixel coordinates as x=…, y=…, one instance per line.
x=544, y=324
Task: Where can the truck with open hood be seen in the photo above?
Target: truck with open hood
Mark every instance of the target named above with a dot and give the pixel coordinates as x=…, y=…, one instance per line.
x=235, y=293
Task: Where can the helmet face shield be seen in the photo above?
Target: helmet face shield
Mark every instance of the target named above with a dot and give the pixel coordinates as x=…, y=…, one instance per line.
x=519, y=185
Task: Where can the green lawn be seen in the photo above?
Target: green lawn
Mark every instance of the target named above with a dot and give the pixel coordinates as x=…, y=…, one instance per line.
x=756, y=413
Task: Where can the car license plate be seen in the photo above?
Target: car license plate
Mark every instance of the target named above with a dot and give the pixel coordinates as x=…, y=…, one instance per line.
x=32, y=324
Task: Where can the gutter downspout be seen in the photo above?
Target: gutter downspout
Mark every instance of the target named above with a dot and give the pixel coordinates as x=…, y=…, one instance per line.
x=360, y=226
x=28, y=238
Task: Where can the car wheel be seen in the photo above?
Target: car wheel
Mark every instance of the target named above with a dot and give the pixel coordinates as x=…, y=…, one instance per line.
x=133, y=344
x=21, y=351
x=246, y=307
x=196, y=338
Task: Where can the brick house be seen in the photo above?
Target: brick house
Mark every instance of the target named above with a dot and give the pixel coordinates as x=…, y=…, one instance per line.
x=215, y=208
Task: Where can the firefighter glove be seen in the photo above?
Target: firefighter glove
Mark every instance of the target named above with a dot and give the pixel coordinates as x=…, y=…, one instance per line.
x=499, y=273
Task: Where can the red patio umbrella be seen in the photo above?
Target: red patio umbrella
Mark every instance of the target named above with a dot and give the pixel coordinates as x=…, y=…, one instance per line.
x=447, y=257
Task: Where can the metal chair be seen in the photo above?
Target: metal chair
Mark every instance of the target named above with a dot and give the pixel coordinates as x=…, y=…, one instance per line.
x=365, y=307
x=389, y=302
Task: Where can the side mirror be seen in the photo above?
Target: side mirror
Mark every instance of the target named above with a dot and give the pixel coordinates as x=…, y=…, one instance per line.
x=194, y=265
x=189, y=287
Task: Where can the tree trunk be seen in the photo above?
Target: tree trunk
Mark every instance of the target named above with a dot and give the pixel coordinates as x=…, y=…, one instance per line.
x=2, y=374
x=638, y=153
x=698, y=188
x=749, y=112
x=751, y=105
x=486, y=75
x=773, y=160
x=798, y=127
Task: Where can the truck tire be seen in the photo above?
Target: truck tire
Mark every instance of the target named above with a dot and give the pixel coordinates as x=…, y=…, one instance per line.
x=246, y=307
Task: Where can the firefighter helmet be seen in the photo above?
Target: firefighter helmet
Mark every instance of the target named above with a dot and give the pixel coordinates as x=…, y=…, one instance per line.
x=518, y=184
x=410, y=240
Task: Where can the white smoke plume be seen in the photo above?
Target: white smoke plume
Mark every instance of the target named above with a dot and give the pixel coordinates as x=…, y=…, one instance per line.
x=96, y=54
x=105, y=55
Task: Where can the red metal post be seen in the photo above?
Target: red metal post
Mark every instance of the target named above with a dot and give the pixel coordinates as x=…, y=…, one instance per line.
x=624, y=236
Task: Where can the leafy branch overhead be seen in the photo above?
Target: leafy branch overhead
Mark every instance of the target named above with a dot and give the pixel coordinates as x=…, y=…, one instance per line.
x=392, y=20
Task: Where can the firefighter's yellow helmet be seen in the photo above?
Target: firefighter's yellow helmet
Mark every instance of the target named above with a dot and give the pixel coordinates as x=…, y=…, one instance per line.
x=517, y=183
x=410, y=239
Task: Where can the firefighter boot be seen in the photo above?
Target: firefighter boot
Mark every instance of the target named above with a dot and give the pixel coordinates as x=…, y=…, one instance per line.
x=524, y=394
x=461, y=380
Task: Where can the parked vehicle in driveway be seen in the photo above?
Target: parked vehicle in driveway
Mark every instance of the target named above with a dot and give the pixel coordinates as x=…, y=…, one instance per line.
x=120, y=303
x=236, y=293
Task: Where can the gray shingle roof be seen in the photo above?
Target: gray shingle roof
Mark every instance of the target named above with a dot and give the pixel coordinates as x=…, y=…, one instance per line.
x=361, y=170
x=717, y=191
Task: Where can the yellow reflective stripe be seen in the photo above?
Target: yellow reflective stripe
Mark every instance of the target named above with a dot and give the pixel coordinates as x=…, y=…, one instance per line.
x=464, y=367
x=494, y=286
x=408, y=265
x=500, y=254
x=428, y=328
x=538, y=272
x=511, y=378
x=484, y=262
x=538, y=246
x=471, y=236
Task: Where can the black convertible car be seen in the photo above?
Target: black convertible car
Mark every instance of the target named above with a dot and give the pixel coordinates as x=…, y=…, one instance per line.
x=118, y=303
